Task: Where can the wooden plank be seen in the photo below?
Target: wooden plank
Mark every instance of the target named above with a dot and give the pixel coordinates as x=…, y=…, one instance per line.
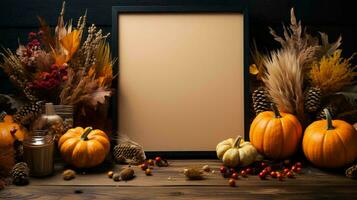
x=186, y=192
x=173, y=176
x=312, y=184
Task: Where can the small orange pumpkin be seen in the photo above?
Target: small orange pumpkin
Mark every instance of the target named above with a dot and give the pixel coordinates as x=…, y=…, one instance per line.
x=9, y=131
x=330, y=143
x=84, y=148
x=274, y=134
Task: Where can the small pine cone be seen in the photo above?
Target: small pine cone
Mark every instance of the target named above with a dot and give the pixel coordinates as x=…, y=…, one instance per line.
x=352, y=172
x=30, y=94
x=261, y=100
x=312, y=99
x=20, y=174
x=333, y=111
x=28, y=112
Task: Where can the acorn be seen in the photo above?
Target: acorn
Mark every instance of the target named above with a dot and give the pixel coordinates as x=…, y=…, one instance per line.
x=110, y=174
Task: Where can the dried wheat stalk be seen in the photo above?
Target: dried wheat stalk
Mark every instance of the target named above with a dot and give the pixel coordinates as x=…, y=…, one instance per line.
x=284, y=80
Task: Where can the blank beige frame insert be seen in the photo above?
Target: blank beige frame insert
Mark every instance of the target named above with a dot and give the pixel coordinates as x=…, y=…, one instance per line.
x=181, y=79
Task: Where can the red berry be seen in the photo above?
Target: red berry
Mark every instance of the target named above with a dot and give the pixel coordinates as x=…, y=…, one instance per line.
x=158, y=159
x=293, y=168
x=223, y=170
x=243, y=173
x=264, y=171
x=268, y=169
x=290, y=175
x=32, y=34
x=262, y=175
x=298, y=164
x=286, y=170
x=232, y=182
x=249, y=170
x=298, y=170
x=273, y=174
x=279, y=177
x=235, y=176
x=64, y=78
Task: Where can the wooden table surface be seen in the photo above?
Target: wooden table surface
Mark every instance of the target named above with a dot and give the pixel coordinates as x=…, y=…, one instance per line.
x=170, y=183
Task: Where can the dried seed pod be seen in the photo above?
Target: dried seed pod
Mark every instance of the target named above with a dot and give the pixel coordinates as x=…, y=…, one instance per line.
x=68, y=175
x=206, y=168
x=193, y=173
x=116, y=177
x=126, y=174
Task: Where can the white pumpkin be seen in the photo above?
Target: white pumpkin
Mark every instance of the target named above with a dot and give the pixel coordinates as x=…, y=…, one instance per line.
x=237, y=152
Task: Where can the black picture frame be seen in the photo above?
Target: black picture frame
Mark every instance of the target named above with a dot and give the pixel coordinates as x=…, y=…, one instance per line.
x=242, y=9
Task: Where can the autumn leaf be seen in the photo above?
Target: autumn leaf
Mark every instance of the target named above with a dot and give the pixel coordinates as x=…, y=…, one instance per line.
x=98, y=96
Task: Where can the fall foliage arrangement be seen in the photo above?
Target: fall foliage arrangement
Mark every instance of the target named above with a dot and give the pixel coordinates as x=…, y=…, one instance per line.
x=61, y=65
x=305, y=93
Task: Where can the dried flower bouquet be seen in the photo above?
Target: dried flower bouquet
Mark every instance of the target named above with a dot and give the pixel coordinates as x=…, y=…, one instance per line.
x=55, y=65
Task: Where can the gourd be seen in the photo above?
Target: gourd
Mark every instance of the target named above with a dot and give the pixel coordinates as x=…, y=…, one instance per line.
x=330, y=143
x=275, y=134
x=84, y=148
x=237, y=152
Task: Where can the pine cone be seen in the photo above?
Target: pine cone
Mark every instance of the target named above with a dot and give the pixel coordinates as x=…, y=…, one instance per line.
x=30, y=94
x=20, y=174
x=127, y=153
x=352, y=172
x=333, y=111
x=28, y=112
x=312, y=99
x=261, y=100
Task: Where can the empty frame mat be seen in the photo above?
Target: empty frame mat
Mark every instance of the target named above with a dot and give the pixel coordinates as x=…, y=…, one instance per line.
x=181, y=79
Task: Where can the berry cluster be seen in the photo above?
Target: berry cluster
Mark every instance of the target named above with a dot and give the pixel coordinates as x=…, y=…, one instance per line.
x=32, y=50
x=51, y=79
x=263, y=169
x=148, y=165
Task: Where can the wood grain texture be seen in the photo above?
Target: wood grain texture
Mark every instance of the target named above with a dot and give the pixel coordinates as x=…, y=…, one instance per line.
x=312, y=184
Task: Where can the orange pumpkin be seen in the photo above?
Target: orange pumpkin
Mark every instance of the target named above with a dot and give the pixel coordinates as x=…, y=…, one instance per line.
x=274, y=134
x=330, y=143
x=9, y=131
x=84, y=148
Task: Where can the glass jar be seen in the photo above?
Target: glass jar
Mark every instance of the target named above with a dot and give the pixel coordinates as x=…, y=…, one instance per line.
x=66, y=113
x=39, y=152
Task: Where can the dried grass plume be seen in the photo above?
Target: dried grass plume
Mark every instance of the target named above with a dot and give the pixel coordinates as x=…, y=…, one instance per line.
x=284, y=81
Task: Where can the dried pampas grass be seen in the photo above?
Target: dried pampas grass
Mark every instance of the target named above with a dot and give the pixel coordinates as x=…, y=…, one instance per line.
x=298, y=40
x=284, y=81
x=305, y=46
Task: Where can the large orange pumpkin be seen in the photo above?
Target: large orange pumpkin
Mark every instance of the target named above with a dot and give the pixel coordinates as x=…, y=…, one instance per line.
x=84, y=148
x=9, y=131
x=330, y=143
x=274, y=134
